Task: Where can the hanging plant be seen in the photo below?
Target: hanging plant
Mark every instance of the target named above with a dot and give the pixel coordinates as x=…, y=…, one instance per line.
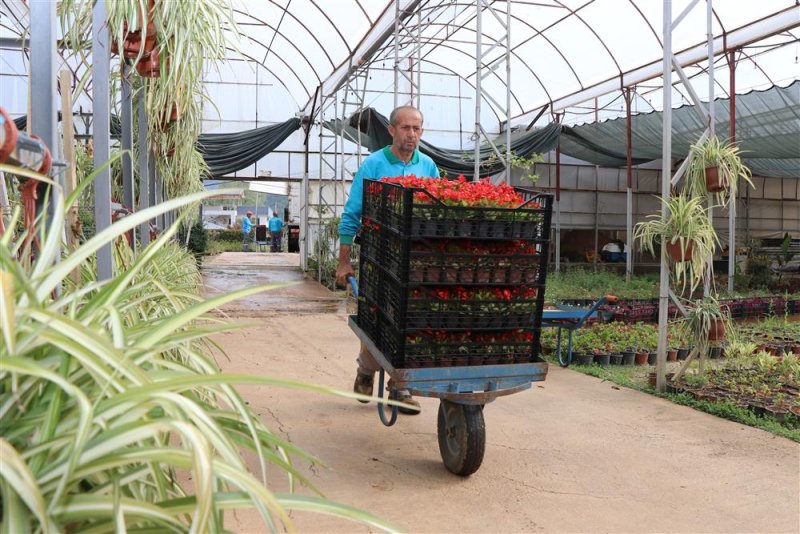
x=686, y=231
x=707, y=320
x=716, y=168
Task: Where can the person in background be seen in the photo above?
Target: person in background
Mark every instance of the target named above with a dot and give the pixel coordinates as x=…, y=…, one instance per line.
x=611, y=251
x=276, y=231
x=401, y=158
x=247, y=228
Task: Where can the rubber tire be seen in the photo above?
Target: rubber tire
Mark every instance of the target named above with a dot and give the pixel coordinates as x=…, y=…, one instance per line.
x=462, y=450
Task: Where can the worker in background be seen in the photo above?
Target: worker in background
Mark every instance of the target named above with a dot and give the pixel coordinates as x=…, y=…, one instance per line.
x=276, y=231
x=247, y=229
x=401, y=158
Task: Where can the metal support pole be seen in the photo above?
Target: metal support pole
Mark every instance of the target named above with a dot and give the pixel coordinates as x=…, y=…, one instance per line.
x=144, y=173
x=731, y=56
x=127, y=141
x=478, y=79
x=558, y=207
x=508, y=94
x=101, y=130
x=666, y=173
x=629, y=191
x=42, y=89
x=152, y=185
x=711, y=121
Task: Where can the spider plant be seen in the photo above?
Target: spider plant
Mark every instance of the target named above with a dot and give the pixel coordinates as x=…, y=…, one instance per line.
x=190, y=35
x=723, y=157
x=687, y=227
x=110, y=398
x=705, y=317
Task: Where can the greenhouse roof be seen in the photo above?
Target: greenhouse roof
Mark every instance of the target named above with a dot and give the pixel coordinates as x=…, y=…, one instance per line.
x=563, y=52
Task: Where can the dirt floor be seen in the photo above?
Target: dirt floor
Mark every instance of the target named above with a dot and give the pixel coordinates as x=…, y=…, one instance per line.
x=572, y=454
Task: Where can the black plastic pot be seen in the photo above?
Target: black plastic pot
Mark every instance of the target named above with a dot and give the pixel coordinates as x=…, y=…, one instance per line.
x=628, y=357
x=602, y=359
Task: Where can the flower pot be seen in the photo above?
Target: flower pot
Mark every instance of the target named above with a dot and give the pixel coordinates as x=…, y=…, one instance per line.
x=716, y=331
x=149, y=66
x=616, y=359
x=672, y=355
x=640, y=358
x=679, y=254
x=475, y=359
x=628, y=357
x=713, y=352
x=580, y=358
x=652, y=357
x=712, y=180
x=683, y=353
x=602, y=359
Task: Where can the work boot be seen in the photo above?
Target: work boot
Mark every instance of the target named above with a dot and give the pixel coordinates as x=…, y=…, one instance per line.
x=363, y=385
x=411, y=406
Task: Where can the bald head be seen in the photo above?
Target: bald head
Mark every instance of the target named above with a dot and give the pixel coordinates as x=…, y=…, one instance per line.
x=405, y=127
x=403, y=111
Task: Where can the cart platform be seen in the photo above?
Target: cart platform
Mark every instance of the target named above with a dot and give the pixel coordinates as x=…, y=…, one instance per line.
x=477, y=384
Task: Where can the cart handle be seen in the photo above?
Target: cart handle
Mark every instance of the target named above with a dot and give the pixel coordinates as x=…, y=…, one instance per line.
x=353, y=284
x=612, y=299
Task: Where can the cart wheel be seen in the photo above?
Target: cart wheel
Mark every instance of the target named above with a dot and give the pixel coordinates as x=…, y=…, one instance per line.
x=462, y=436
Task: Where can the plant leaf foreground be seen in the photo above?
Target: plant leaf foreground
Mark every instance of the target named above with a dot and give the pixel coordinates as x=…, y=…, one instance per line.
x=113, y=412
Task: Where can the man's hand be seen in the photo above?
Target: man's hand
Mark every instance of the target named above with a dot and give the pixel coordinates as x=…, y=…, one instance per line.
x=345, y=268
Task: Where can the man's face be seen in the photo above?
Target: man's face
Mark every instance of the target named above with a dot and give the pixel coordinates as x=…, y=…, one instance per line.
x=408, y=130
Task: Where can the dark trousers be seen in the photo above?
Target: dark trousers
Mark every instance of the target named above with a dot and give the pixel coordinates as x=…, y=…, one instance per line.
x=276, y=241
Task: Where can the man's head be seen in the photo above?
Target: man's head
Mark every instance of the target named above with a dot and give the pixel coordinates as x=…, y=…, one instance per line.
x=274, y=213
x=249, y=213
x=405, y=127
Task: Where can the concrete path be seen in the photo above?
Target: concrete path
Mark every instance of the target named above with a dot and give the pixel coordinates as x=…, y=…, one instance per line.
x=573, y=454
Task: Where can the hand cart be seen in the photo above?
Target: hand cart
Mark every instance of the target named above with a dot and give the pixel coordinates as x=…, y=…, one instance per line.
x=462, y=391
x=571, y=318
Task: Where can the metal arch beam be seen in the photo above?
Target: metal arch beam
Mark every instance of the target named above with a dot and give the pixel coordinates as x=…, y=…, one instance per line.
x=574, y=13
x=513, y=50
x=781, y=21
x=291, y=15
x=466, y=80
x=381, y=29
x=470, y=75
x=278, y=32
x=322, y=12
x=254, y=60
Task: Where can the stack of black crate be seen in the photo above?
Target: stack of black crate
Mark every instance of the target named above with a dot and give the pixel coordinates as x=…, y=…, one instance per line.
x=415, y=251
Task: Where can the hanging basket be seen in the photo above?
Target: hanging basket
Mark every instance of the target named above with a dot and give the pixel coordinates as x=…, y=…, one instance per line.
x=712, y=180
x=678, y=254
x=149, y=66
x=132, y=44
x=716, y=331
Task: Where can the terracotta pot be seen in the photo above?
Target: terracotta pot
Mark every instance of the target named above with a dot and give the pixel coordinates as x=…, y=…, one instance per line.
x=716, y=331
x=640, y=358
x=150, y=66
x=672, y=355
x=174, y=114
x=712, y=180
x=674, y=250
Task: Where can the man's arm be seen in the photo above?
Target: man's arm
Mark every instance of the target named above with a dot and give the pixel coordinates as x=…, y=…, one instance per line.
x=345, y=268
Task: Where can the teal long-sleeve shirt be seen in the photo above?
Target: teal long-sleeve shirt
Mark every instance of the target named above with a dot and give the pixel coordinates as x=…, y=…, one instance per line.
x=380, y=164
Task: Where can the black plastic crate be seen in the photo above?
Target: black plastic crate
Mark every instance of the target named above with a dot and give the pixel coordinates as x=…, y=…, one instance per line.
x=414, y=247
x=448, y=307
x=441, y=262
x=441, y=348
x=414, y=212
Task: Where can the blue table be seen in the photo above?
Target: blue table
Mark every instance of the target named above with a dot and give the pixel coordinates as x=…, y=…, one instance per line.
x=570, y=318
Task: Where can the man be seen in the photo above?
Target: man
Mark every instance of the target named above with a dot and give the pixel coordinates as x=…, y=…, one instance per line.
x=275, y=229
x=401, y=158
x=247, y=227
